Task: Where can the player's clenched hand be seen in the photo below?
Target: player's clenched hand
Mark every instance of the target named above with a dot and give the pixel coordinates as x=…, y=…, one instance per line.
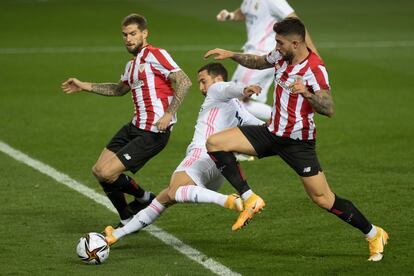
x=164, y=121
x=224, y=15
x=221, y=54
x=252, y=89
x=298, y=87
x=73, y=85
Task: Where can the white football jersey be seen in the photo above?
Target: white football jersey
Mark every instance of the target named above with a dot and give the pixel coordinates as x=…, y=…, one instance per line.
x=221, y=110
x=261, y=15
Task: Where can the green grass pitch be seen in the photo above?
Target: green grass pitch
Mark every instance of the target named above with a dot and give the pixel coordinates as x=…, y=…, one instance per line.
x=366, y=149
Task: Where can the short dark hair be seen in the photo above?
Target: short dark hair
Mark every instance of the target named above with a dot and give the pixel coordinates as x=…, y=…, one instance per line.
x=215, y=69
x=137, y=19
x=290, y=26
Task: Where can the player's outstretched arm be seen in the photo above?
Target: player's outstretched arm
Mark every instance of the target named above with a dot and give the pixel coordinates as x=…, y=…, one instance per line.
x=321, y=100
x=73, y=85
x=182, y=85
x=247, y=60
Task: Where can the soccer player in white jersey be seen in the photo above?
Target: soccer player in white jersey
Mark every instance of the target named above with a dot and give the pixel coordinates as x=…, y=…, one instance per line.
x=260, y=16
x=149, y=77
x=196, y=178
x=301, y=88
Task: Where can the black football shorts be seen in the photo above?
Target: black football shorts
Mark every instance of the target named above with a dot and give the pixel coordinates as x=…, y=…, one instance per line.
x=134, y=147
x=300, y=155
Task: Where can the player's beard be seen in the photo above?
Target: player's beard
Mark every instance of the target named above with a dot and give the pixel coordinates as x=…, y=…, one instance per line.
x=135, y=51
x=288, y=56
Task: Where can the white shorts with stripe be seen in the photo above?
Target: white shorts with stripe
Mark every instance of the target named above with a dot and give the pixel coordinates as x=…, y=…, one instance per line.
x=201, y=169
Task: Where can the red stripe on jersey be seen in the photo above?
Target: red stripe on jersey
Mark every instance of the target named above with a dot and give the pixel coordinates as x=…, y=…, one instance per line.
x=161, y=58
x=276, y=118
x=305, y=110
x=278, y=97
x=293, y=100
x=320, y=78
x=165, y=104
x=149, y=109
x=163, y=85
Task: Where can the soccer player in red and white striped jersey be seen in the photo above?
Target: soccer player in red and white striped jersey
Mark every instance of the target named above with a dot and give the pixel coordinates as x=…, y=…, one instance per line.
x=301, y=88
x=149, y=76
x=259, y=17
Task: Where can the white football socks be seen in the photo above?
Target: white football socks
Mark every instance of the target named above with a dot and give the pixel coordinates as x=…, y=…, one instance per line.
x=246, y=195
x=144, y=218
x=371, y=233
x=197, y=194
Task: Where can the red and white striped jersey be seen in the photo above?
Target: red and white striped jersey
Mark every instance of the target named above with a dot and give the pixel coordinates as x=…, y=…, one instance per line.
x=152, y=93
x=292, y=114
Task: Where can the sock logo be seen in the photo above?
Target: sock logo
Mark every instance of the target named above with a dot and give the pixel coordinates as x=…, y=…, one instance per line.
x=144, y=224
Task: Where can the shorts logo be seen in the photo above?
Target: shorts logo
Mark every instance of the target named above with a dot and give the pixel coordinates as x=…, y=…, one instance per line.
x=307, y=169
x=127, y=156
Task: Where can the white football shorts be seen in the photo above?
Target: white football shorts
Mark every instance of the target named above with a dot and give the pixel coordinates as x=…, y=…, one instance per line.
x=202, y=170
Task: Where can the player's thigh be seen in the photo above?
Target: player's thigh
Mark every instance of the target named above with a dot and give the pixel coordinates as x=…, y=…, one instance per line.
x=109, y=167
x=202, y=170
x=104, y=157
x=230, y=140
x=318, y=190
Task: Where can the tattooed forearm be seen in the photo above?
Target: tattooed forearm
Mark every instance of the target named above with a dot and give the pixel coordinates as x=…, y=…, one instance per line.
x=183, y=84
x=252, y=61
x=109, y=89
x=322, y=103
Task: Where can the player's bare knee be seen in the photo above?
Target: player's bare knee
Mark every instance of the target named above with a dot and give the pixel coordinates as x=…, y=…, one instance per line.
x=102, y=174
x=321, y=200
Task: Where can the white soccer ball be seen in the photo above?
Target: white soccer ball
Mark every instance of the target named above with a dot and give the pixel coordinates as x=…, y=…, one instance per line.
x=93, y=248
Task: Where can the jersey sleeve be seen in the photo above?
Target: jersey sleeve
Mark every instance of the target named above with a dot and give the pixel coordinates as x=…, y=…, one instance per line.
x=223, y=91
x=280, y=9
x=125, y=75
x=247, y=117
x=319, y=79
x=163, y=62
x=273, y=56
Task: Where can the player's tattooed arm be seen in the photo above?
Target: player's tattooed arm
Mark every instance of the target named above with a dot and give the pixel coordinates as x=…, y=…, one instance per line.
x=322, y=102
x=110, y=89
x=252, y=61
x=182, y=85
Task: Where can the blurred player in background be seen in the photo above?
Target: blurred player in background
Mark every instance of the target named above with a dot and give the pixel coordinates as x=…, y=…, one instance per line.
x=196, y=178
x=301, y=88
x=149, y=75
x=260, y=16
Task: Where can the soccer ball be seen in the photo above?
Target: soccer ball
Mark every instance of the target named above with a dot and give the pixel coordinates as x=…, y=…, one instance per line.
x=93, y=248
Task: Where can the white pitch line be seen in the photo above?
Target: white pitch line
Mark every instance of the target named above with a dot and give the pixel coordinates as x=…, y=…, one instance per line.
x=195, y=48
x=157, y=232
